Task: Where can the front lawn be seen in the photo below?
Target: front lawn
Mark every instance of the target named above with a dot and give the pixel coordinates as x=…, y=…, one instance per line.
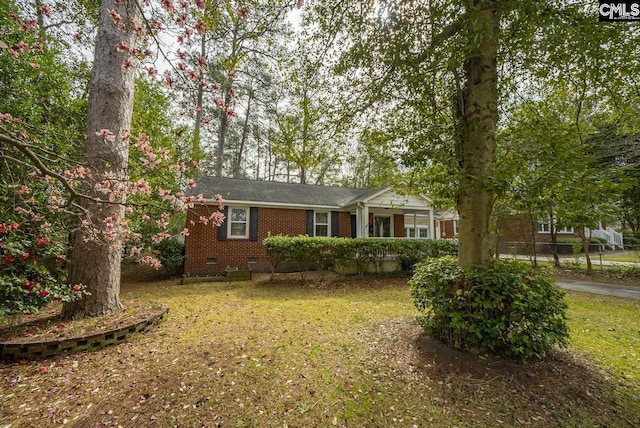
x=328, y=352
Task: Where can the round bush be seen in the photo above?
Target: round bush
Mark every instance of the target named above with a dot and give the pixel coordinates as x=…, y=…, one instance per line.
x=506, y=307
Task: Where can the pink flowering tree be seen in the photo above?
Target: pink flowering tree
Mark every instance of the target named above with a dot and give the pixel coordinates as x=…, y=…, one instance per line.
x=96, y=192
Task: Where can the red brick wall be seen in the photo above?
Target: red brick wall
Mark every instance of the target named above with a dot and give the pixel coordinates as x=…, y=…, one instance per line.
x=447, y=229
x=202, y=242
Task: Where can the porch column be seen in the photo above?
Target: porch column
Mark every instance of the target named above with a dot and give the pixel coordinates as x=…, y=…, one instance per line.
x=415, y=226
x=432, y=226
x=364, y=232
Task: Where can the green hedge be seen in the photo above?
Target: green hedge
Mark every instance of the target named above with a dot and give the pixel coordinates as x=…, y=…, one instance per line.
x=319, y=253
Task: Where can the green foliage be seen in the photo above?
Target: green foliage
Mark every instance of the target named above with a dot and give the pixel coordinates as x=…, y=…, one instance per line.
x=317, y=253
x=171, y=255
x=31, y=274
x=506, y=307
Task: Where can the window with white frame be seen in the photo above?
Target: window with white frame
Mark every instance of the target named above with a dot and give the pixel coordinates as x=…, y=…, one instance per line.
x=238, y=223
x=410, y=232
x=545, y=227
x=321, y=223
x=456, y=227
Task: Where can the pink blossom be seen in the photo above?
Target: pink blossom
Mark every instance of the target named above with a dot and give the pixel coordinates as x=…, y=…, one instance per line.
x=185, y=232
x=243, y=12
x=146, y=218
x=46, y=10
x=168, y=81
x=106, y=134
x=155, y=263
x=192, y=183
x=8, y=258
x=115, y=16
x=141, y=186
x=217, y=218
x=135, y=251
x=14, y=226
x=201, y=28
x=123, y=47
x=159, y=237
x=168, y=6
x=200, y=4
x=126, y=65
x=152, y=161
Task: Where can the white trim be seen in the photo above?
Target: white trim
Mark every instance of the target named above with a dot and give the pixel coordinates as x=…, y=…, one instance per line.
x=261, y=204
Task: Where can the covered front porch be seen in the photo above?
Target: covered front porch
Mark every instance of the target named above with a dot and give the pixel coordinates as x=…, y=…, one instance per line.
x=386, y=214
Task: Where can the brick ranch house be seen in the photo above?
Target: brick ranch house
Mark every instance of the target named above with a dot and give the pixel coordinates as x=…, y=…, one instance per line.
x=255, y=210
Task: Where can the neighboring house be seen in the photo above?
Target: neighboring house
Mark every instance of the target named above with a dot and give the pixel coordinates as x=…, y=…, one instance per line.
x=447, y=223
x=517, y=234
x=255, y=210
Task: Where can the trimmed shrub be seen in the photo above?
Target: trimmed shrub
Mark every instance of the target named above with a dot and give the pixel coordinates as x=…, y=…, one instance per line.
x=319, y=253
x=171, y=255
x=31, y=273
x=505, y=307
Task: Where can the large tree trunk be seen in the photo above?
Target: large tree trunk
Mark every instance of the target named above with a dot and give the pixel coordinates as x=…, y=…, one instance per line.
x=97, y=249
x=479, y=115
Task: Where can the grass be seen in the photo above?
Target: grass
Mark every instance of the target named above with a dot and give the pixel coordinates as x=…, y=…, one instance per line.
x=622, y=257
x=332, y=353
x=607, y=331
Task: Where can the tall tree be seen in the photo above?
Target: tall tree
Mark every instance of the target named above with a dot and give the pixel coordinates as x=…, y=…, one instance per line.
x=97, y=247
x=447, y=72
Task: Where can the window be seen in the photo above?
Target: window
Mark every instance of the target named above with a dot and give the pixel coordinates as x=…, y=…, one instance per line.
x=546, y=228
x=238, y=223
x=423, y=232
x=456, y=227
x=321, y=223
x=382, y=227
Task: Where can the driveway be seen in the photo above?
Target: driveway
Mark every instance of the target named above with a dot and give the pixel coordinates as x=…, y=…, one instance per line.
x=626, y=291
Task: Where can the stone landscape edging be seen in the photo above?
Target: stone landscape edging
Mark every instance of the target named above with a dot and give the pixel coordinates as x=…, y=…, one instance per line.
x=12, y=351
